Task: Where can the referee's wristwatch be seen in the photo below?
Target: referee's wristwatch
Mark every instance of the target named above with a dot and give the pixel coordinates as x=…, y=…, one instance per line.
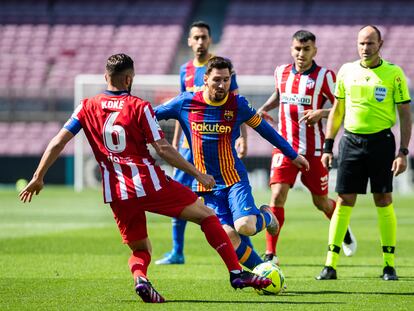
x=404, y=151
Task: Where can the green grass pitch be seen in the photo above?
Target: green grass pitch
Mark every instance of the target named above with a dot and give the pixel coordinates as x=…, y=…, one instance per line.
x=63, y=252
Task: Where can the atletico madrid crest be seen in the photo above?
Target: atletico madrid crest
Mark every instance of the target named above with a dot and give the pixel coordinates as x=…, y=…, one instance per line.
x=228, y=115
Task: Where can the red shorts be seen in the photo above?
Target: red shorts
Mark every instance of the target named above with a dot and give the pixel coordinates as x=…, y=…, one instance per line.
x=283, y=171
x=130, y=214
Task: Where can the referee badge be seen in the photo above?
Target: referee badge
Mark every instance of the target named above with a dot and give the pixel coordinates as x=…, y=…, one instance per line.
x=380, y=93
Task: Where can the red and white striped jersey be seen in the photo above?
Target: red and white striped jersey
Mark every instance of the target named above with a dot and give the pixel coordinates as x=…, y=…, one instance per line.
x=299, y=92
x=118, y=128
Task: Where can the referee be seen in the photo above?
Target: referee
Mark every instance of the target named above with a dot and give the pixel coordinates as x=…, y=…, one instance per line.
x=368, y=93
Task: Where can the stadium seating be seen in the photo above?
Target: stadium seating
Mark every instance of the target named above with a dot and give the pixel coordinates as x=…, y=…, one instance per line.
x=28, y=138
x=257, y=35
x=43, y=46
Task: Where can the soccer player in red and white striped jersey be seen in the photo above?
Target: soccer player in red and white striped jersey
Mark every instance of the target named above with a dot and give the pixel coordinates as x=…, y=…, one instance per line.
x=301, y=91
x=118, y=127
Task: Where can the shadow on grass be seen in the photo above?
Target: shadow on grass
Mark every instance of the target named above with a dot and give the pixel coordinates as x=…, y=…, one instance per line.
x=252, y=302
x=336, y=292
x=344, y=265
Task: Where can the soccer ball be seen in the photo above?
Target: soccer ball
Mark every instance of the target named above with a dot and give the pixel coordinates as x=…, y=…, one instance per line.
x=272, y=271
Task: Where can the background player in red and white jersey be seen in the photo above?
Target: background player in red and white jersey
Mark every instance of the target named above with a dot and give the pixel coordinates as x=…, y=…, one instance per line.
x=118, y=127
x=301, y=91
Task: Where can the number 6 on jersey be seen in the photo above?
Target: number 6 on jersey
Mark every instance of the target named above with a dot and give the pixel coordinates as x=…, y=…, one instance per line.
x=114, y=135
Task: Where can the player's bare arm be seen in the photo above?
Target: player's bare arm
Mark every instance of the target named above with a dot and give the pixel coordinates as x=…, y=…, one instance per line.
x=400, y=163
x=52, y=152
x=271, y=103
x=177, y=134
x=174, y=158
x=335, y=118
x=311, y=117
x=241, y=142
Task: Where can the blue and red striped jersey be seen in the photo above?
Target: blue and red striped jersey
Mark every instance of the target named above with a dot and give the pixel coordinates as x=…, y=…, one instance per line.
x=211, y=129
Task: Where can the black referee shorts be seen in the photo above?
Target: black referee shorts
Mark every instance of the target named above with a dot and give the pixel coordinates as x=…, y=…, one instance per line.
x=362, y=157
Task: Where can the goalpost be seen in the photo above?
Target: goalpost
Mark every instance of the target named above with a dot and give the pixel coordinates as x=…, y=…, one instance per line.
x=156, y=89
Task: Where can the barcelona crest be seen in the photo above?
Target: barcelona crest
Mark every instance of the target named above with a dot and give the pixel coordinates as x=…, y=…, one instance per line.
x=228, y=115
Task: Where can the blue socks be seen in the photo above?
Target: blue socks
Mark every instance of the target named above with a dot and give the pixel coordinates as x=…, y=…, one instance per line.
x=178, y=229
x=246, y=254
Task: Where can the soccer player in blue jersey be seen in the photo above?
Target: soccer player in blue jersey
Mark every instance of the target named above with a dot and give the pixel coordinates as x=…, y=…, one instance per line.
x=192, y=80
x=211, y=121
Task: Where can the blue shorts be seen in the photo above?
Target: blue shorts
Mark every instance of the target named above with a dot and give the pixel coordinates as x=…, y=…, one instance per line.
x=231, y=203
x=180, y=176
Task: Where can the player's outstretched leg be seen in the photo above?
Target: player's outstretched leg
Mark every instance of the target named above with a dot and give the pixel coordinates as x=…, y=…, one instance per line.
x=248, y=279
x=218, y=239
x=146, y=291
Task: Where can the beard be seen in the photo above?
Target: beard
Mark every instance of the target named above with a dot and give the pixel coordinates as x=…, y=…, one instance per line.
x=218, y=96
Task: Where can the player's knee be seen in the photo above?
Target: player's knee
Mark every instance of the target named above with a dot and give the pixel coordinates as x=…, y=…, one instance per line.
x=245, y=226
x=321, y=204
x=382, y=199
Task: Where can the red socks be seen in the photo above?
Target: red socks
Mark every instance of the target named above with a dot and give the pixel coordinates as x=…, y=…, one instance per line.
x=271, y=241
x=218, y=239
x=138, y=263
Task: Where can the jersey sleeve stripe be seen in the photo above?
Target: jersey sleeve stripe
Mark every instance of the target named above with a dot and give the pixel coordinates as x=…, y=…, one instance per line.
x=152, y=123
x=404, y=102
x=254, y=121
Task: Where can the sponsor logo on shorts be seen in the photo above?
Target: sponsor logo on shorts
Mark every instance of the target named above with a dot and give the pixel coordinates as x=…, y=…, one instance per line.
x=248, y=208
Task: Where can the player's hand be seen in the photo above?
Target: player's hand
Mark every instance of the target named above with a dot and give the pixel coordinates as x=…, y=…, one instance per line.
x=399, y=165
x=266, y=116
x=241, y=147
x=326, y=160
x=34, y=186
x=301, y=162
x=310, y=117
x=206, y=180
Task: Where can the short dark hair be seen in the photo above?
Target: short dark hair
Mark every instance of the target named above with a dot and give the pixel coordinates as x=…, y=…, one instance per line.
x=119, y=63
x=304, y=36
x=201, y=24
x=218, y=62
x=375, y=29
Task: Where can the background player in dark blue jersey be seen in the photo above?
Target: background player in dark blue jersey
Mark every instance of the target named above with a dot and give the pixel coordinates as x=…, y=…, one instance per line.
x=211, y=121
x=192, y=80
